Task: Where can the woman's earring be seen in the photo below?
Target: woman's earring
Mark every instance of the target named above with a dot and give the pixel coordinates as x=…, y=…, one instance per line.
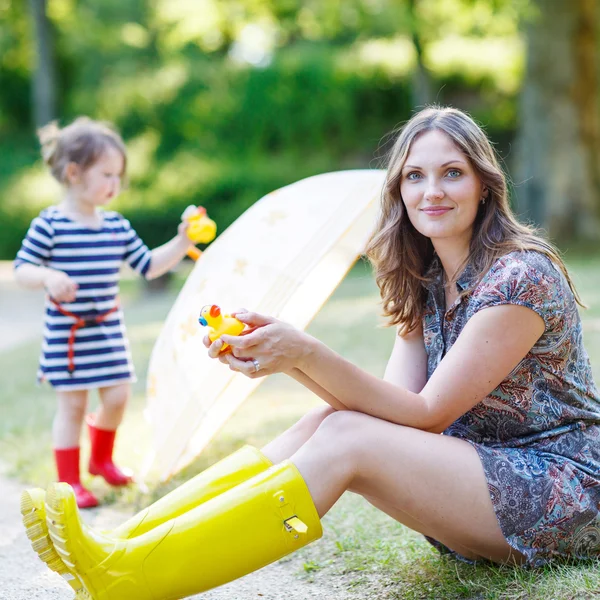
x=482, y=200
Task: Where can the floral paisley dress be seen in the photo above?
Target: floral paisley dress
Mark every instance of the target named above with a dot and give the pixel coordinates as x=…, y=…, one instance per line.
x=538, y=433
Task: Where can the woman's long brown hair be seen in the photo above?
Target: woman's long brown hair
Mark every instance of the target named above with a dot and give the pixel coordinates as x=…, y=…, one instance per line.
x=400, y=255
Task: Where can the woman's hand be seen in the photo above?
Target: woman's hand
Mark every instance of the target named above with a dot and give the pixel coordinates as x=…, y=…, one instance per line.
x=268, y=346
x=60, y=286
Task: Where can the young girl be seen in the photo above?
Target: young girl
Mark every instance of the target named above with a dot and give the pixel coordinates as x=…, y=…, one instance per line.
x=75, y=250
x=489, y=352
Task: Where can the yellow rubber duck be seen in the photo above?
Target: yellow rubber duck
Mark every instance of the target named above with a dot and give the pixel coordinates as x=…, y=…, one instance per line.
x=219, y=324
x=201, y=230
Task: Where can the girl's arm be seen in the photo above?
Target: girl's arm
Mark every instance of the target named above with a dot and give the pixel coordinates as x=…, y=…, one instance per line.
x=492, y=343
x=168, y=255
x=30, y=265
x=32, y=276
x=58, y=284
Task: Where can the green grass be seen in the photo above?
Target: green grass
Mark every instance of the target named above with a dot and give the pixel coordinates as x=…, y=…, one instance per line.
x=363, y=550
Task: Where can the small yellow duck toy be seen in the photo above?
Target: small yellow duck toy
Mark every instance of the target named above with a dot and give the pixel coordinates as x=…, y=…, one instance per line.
x=201, y=230
x=219, y=324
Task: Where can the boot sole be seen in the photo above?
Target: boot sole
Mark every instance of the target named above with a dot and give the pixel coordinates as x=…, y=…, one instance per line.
x=33, y=515
x=58, y=501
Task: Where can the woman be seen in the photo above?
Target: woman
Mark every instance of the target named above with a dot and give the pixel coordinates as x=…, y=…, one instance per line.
x=489, y=352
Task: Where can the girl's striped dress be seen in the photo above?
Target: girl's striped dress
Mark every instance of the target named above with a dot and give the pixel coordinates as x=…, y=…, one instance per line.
x=100, y=354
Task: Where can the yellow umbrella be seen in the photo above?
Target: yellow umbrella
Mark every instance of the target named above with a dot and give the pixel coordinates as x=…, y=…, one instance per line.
x=283, y=257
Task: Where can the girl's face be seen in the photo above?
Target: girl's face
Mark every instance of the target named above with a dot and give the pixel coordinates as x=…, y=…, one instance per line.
x=440, y=188
x=101, y=182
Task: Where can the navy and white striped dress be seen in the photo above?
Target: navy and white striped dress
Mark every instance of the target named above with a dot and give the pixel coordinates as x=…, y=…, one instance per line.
x=92, y=258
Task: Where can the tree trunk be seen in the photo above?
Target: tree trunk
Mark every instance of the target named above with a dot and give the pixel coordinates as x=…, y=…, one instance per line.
x=44, y=79
x=558, y=170
x=421, y=84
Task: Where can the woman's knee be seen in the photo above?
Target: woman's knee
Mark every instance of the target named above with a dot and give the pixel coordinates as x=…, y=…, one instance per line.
x=335, y=447
x=315, y=416
x=344, y=420
x=311, y=421
x=344, y=427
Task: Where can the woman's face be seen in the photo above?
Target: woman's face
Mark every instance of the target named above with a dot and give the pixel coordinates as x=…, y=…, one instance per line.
x=440, y=188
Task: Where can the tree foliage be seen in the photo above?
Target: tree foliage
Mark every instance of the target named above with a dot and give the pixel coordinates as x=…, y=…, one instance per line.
x=221, y=101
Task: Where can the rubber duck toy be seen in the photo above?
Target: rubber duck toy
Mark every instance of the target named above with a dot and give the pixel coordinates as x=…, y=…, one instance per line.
x=201, y=230
x=219, y=324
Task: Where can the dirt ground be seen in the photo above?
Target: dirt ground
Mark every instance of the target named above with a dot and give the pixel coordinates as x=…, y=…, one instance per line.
x=24, y=577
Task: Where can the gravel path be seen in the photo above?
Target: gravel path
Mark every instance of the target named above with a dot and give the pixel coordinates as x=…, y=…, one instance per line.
x=24, y=577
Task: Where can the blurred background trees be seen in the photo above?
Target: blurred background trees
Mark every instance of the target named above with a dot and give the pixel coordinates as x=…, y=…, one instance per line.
x=559, y=151
x=43, y=77
x=222, y=101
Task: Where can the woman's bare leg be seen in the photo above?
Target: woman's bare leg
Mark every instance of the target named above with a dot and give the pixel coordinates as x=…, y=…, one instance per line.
x=419, y=527
x=284, y=446
x=436, y=480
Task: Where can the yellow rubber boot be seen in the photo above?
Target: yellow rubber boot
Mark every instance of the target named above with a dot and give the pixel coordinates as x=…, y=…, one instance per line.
x=227, y=473
x=33, y=514
x=254, y=524
x=220, y=477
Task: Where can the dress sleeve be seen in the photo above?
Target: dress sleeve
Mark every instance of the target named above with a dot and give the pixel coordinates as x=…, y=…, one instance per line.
x=37, y=246
x=137, y=254
x=531, y=282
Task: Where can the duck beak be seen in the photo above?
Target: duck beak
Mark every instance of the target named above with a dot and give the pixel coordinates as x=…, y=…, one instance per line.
x=202, y=321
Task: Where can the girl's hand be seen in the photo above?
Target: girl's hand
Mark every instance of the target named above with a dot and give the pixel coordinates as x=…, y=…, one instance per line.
x=269, y=344
x=182, y=229
x=60, y=286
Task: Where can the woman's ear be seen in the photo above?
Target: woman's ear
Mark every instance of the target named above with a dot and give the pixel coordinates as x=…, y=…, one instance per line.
x=72, y=173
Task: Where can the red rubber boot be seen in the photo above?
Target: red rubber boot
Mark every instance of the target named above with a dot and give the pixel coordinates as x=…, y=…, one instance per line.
x=101, y=462
x=67, y=466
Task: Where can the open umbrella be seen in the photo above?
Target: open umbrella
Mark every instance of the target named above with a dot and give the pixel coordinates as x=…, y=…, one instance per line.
x=283, y=257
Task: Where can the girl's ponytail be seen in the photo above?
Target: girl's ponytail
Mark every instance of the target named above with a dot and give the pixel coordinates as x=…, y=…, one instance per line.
x=48, y=136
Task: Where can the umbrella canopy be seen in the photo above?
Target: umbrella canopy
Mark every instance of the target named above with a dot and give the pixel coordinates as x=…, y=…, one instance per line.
x=283, y=257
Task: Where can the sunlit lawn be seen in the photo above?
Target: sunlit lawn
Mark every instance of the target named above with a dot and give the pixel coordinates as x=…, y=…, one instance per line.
x=367, y=552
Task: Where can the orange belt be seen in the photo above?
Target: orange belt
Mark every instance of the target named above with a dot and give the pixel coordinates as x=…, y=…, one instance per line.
x=79, y=323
